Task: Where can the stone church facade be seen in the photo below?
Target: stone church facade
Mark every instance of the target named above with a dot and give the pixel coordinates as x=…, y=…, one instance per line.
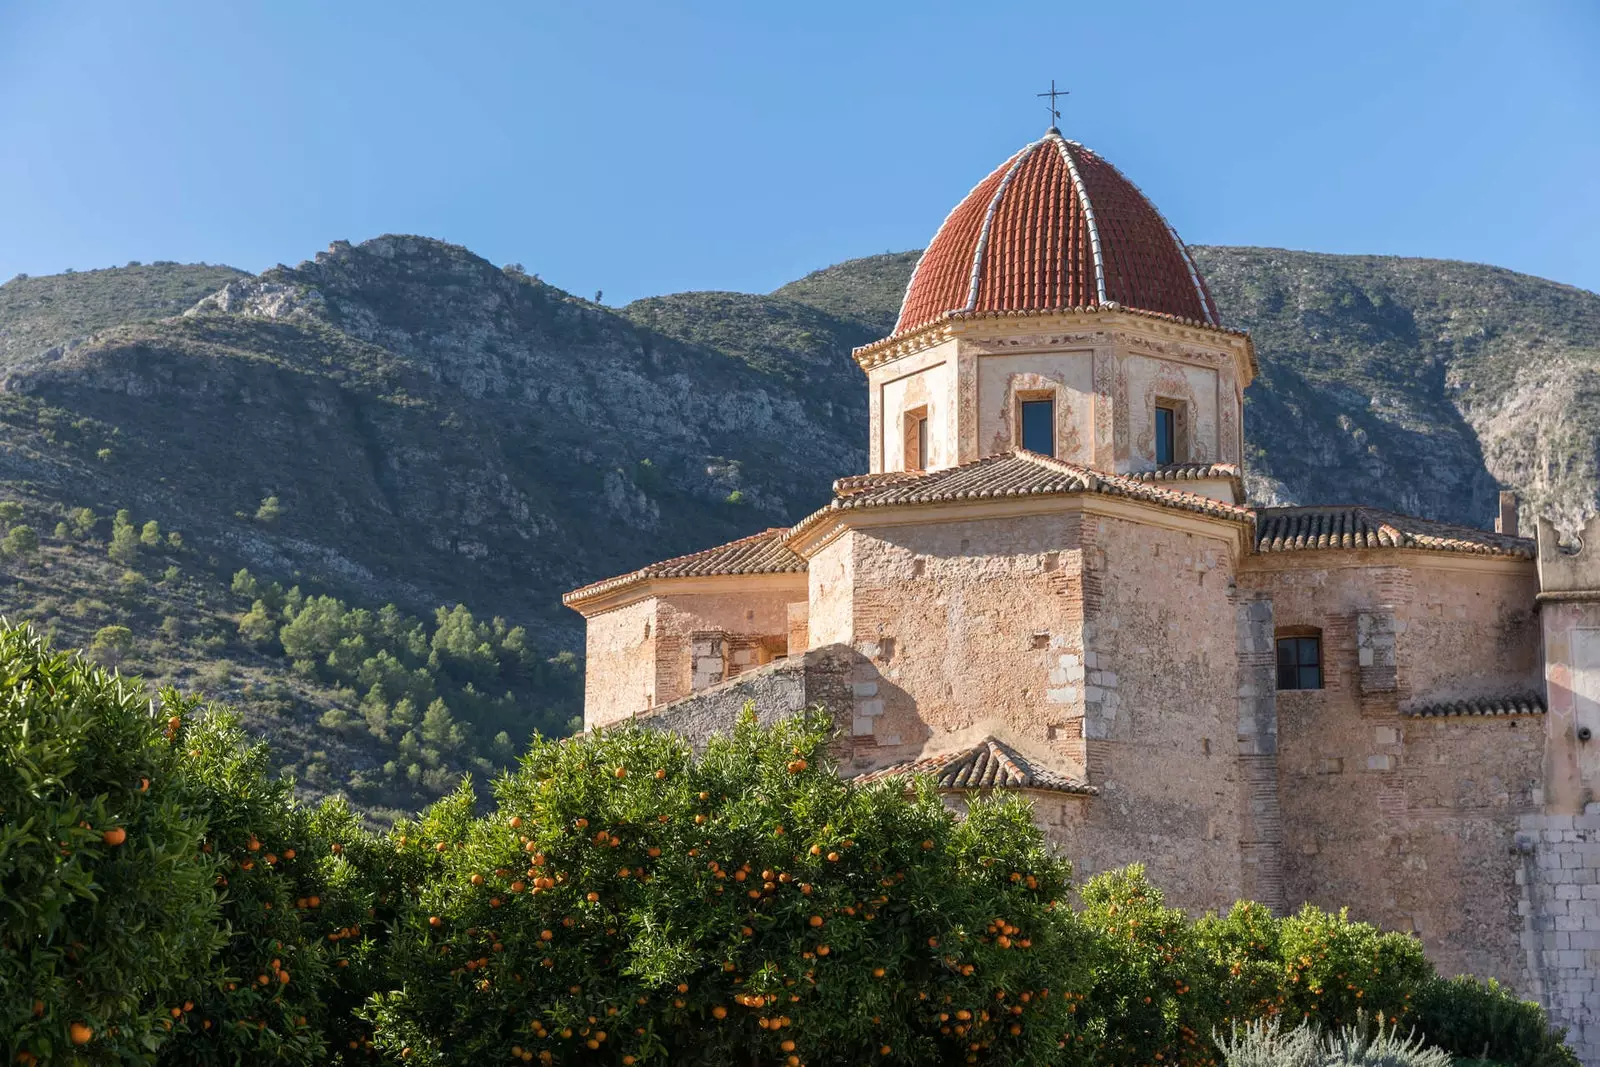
x=1051, y=581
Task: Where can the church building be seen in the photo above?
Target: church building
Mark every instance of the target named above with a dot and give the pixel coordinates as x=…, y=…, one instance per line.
x=1051, y=581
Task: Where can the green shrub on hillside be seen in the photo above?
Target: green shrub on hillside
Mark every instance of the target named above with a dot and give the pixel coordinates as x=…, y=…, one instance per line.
x=107, y=899
x=440, y=694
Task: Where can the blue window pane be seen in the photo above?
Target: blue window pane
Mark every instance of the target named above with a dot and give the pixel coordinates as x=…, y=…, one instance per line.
x=1165, y=434
x=1038, y=426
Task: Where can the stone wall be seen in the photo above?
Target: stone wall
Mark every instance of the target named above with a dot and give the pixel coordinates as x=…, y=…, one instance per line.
x=1160, y=705
x=776, y=691
x=1103, y=644
x=1559, y=879
x=1407, y=820
x=619, y=663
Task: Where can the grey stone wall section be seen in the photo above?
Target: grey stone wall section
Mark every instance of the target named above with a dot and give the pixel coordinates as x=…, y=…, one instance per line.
x=1261, y=835
x=777, y=690
x=1375, y=634
x=1560, y=904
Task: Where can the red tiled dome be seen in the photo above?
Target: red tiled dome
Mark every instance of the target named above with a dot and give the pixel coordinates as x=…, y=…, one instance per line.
x=1055, y=226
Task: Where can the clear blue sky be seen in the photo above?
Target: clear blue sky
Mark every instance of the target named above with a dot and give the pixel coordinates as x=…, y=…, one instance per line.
x=643, y=148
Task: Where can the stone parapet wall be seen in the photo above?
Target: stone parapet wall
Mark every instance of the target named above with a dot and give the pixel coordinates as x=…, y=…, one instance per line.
x=776, y=691
x=1560, y=905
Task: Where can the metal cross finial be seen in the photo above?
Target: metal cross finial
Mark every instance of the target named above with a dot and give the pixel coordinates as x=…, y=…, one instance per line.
x=1052, y=94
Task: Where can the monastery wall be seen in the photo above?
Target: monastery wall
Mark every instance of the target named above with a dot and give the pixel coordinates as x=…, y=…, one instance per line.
x=619, y=663
x=1159, y=698
x=663, y=647
x=1409, y=821
x=703, y=638
x=927, y=381
x=1066, y=377
x=1150, y=380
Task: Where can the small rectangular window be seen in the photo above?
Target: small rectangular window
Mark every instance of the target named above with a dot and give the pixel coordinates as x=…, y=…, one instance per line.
x=1039, y=426
x=922, y=444
x=914, y=439
x=1166, y=436
x=1299, y=663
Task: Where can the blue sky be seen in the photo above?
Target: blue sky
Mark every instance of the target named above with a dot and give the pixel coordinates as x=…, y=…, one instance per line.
x=642, y=148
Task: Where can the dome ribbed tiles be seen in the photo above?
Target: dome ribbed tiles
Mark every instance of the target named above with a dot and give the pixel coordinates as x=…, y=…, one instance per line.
x=1055, y=226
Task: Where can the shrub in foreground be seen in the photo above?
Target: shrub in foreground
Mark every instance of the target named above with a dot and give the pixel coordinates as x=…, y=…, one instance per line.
x=1484, y=1020
x=106, y=899
x=1362, y=1043
x=629, y=903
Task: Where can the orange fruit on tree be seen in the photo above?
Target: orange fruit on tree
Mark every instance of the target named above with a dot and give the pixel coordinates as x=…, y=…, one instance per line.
x=80, y=1033
x=114, y=836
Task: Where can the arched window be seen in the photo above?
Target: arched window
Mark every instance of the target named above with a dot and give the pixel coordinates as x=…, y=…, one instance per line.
x=1300, y=658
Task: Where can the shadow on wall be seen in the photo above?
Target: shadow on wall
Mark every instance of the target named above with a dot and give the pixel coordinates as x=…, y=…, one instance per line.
x=829, y=677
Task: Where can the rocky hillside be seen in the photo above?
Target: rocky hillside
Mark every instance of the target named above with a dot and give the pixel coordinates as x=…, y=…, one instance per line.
x=401, y=422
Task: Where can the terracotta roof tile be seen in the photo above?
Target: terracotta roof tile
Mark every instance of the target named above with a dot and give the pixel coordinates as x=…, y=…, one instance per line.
x=1305, y=529
x=990, y=764
x=1518, y=705
x=1011, y=475
x=1055, y=227
x=762, y=553
x=1188, y=472
x=860, y=483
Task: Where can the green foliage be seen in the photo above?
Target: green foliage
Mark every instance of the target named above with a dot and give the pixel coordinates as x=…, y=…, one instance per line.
x=150, y=534
x=1359, y=1044
x=111, y=643
x=124, y=547
x=709, y=911
x=270, y=510
x=440, y=694
x=83, y=521
x=1484, y=1020
x=107, y=898
x=1165, y=984
x=10, y=512
x=20, y=541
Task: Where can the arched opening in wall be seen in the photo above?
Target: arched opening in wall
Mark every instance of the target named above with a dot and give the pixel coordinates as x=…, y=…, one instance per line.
x=914, y=443
x=1299, y=657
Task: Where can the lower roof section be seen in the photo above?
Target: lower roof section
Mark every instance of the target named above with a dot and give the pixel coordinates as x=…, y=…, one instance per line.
x=989, y=764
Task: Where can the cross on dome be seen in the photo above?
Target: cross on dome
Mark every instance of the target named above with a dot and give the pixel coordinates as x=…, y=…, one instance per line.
x=1055, y=116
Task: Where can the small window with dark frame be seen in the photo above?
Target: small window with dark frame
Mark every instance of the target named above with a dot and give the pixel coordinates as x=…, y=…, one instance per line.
x=922, y=443
x=1166, y=435
x=1300, y=662
x=1039, y=426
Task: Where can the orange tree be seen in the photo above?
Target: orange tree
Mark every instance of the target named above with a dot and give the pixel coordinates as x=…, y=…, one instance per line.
x=1165, y=986
x=629, y=903
x=259, y=999
x=106, y=899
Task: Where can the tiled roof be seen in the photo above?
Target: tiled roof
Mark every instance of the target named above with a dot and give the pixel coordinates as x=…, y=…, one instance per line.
x=1305, y=529
x=1522, y=705
x=1188, y=472
x=762, y=553
x=858, y=483
x=1012, y=475
x=990, y=764
x=1055, y=227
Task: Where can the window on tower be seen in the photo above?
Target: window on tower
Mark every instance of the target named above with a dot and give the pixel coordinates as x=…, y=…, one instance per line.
x=914, y=441
x=1300, y=660
x=1039, y=426
x=1166, y=435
